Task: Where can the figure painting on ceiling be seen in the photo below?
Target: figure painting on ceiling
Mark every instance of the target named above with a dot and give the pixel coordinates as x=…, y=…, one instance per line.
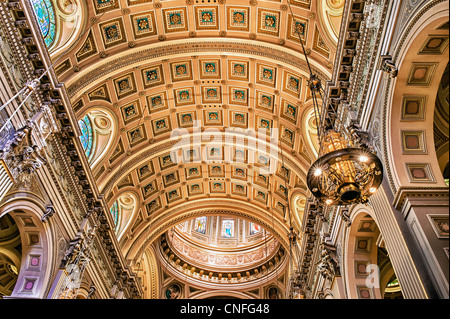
x=170, y=178
x=175, y=18
x=167, y=160
x=288, y=135
x=144, y=170
x=216, y=170
x=240, y=172
x=217, y=186
x=300, y=28
x=260, y=195
x=239, y=155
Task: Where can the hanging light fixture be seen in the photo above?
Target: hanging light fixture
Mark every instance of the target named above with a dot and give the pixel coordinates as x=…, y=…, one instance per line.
x=347, y=171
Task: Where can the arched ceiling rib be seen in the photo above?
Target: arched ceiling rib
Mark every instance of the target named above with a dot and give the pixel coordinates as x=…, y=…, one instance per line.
x=235, y=67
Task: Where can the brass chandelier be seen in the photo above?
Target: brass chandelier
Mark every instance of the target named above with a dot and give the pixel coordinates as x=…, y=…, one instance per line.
x=347, y=170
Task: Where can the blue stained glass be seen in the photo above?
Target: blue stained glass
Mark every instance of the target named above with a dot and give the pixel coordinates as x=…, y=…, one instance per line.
x=115, y=212
x=86, y=134
x=45, y=15
x=228, y=228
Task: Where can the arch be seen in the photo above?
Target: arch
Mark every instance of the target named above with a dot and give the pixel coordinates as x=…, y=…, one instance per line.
x=125, y=210
x=366, y=264
x=148, y=271
x=37, y=246
x=409, y=137
x=298, y=201
x=98, y=127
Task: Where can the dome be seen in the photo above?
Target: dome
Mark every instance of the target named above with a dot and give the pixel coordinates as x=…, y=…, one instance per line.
x=222, y=248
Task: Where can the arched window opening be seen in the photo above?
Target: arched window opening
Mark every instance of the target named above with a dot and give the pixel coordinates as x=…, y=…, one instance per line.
x=86, y=135
x=45, y=14
x=115, y=213
x=200, y=224
x=254, y=228
x=441, y=125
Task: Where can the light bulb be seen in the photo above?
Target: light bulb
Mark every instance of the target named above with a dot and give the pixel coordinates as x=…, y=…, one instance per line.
x=363, y=158
x=318, y=172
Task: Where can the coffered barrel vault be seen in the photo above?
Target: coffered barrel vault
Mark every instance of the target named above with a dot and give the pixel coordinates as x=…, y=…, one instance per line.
x=166, y=145
x=202, y=95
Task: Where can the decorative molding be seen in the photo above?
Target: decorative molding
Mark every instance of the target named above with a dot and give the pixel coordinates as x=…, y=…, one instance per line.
x=141, y=57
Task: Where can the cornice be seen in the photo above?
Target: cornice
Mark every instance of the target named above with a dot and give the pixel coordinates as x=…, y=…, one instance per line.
x=407, y=193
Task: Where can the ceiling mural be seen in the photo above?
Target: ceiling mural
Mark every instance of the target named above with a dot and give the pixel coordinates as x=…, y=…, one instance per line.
x=207, y=103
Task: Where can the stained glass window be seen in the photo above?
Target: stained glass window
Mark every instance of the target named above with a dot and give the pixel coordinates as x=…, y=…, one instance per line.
x=115, y=212
x=86, y=134
x=228, y=228
x=45, y=15
x=200, y=225
x=254, y=228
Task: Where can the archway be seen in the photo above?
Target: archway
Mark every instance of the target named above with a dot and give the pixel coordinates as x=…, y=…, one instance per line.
x=367, y=267
x=36, y=245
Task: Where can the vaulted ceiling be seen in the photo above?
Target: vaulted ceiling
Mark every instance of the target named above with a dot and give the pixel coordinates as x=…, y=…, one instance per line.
x=162, y=82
